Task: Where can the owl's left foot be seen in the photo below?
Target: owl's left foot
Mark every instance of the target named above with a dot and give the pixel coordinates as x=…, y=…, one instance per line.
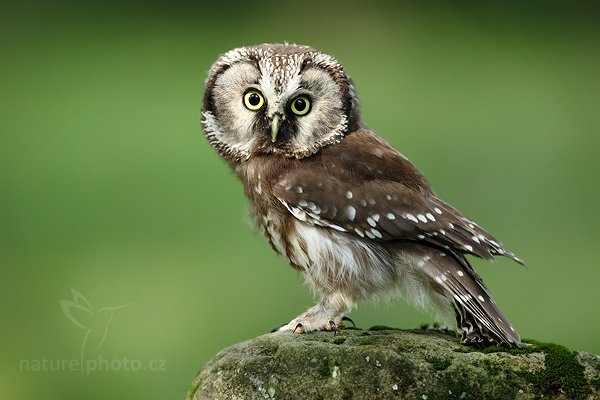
x=299, y=328
x=305, y=324
x=327, y=315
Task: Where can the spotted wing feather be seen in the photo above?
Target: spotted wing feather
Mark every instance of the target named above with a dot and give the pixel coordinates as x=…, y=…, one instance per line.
x=383, y=209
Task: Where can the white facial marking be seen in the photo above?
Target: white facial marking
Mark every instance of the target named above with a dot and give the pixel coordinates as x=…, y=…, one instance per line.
x=350, y=213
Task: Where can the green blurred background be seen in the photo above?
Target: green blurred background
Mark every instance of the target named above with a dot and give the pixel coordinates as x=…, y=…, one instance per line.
x=107, y=185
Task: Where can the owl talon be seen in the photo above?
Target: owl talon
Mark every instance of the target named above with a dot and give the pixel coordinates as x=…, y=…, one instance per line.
x=331, y=326
x=349, y=320
x=299, y=329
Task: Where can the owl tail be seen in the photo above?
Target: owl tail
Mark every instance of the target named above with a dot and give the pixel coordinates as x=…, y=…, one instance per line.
x=479, y=322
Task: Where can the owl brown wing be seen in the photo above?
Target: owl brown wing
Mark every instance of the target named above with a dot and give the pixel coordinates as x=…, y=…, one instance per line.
x=377, y=194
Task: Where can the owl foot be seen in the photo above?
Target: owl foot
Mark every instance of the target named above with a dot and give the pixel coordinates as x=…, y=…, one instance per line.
x=327, y=315
x=305, y=324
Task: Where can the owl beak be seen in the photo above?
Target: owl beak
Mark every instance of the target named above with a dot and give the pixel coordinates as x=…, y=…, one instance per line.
x=274, y=128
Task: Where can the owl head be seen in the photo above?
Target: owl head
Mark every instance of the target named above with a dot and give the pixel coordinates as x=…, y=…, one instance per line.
x=277, y=99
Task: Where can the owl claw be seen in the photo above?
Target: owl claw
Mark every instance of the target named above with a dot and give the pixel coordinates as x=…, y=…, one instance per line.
x=331, y=326
x=299, y=329
x=349, y=320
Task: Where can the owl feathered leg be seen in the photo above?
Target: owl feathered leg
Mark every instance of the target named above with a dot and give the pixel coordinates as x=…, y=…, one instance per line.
x=449, y=276
x=327, y=314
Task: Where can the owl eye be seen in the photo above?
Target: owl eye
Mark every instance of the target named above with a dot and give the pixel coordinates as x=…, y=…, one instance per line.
x=300, y=105
x=253, y=100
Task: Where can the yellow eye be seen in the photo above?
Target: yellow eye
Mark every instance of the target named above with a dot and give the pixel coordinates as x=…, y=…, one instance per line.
x=300, y=105
x=253, y=100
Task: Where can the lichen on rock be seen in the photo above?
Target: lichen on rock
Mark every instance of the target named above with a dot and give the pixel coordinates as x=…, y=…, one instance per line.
x=392, y=364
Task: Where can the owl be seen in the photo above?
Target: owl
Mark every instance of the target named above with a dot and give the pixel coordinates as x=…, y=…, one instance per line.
x=354, y=216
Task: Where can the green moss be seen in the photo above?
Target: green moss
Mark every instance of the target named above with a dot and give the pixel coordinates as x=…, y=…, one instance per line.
x=440, y=364
x=562, y=372
x=268, y=348
x=498, y=349
x=405, y=371
x=324, y=369
x=382, y=328
x=365, y=341
x=466, y=382
x=193, y=389
x=339, y=340
x=455, y=383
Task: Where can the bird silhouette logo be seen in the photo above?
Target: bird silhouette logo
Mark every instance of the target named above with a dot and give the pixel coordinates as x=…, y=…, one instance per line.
x=94, y=322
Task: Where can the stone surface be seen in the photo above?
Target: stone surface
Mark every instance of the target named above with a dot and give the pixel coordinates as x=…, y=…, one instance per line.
x=393, y=364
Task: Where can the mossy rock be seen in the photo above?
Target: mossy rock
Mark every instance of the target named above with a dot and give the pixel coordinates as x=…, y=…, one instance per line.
x=393, y=364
